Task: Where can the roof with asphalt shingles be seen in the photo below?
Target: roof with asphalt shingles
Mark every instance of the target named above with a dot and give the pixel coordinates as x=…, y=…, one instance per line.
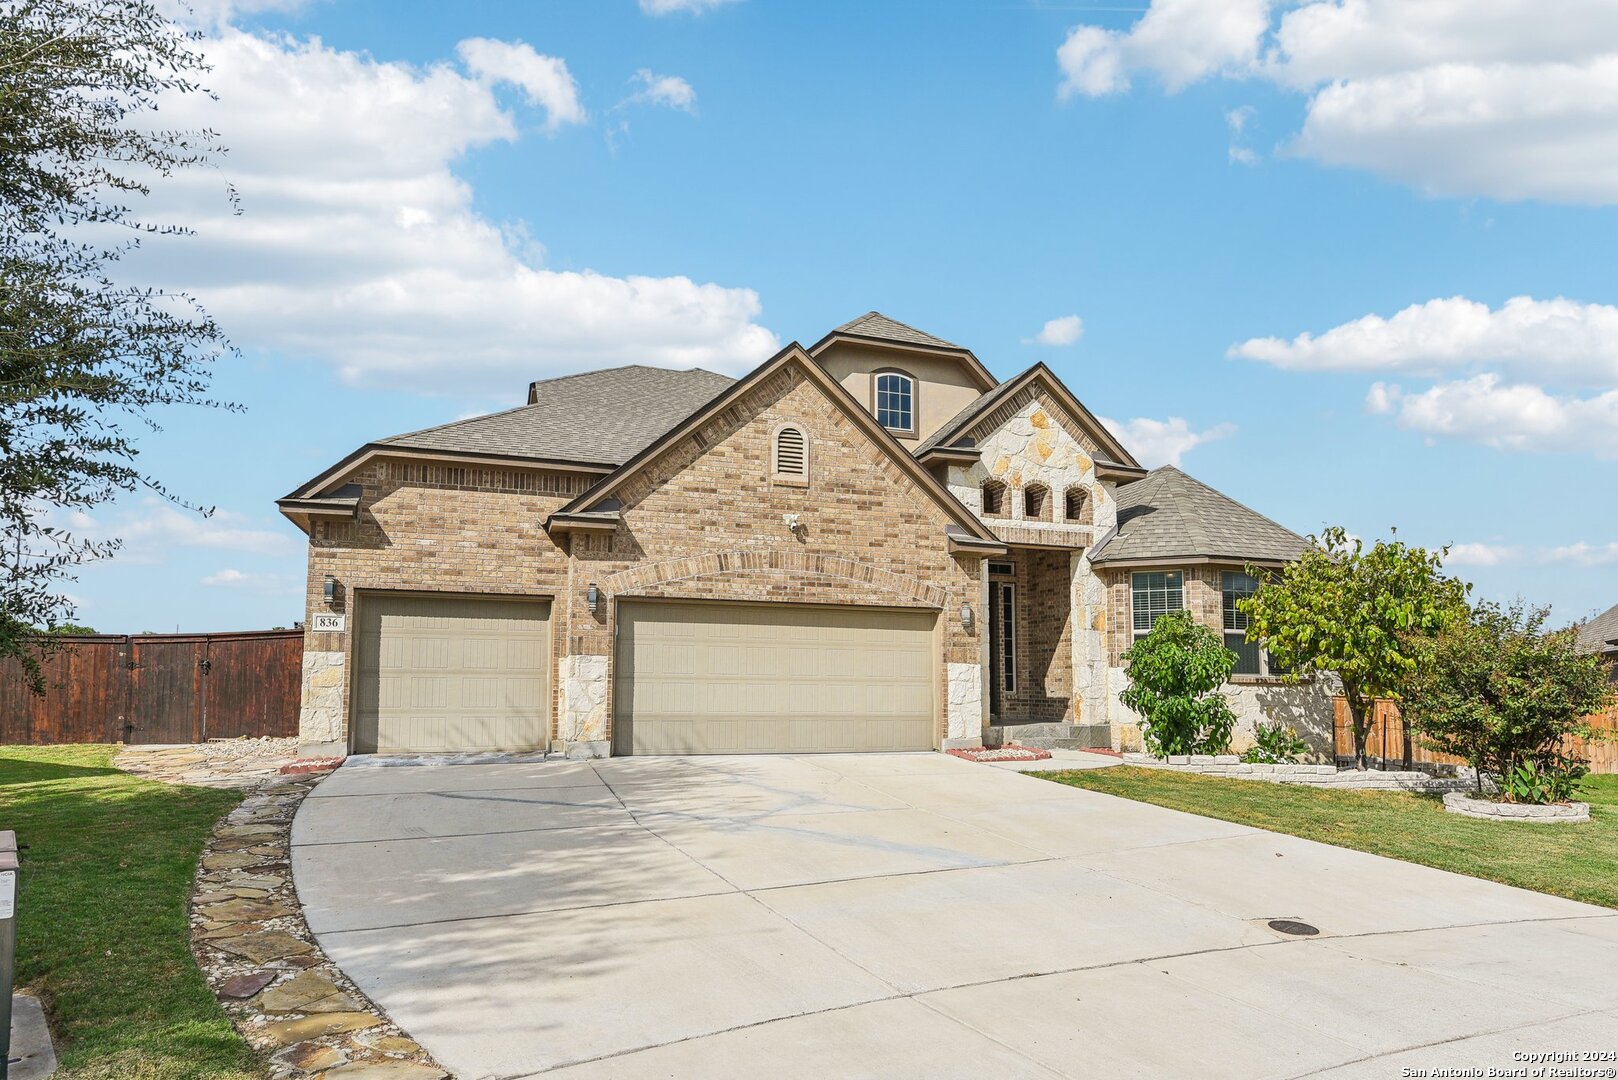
x=1168, y=515
x=597, y=417
x=874, y=324
x=1598, y=634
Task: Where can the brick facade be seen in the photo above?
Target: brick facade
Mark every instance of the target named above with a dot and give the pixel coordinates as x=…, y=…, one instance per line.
x=704, y=520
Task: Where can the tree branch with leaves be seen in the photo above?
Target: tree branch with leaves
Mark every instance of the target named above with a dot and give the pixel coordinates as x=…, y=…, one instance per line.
x=86, y=357
x=1357, y=613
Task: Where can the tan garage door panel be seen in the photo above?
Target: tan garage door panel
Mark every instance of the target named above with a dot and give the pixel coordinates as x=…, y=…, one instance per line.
x=450, y=674
x=745, y=679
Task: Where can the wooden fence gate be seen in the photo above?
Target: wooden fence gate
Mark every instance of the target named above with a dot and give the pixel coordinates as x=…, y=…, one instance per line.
x=158, y=688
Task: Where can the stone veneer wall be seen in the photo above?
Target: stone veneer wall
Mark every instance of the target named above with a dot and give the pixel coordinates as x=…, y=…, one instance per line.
x=1305, y=706
x=1029, y=439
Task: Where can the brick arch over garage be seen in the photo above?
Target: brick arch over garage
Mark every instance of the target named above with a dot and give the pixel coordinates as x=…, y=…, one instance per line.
x=772, y=568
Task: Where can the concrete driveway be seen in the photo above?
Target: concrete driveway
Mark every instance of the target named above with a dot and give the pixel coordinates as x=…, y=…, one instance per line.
x=911, y=915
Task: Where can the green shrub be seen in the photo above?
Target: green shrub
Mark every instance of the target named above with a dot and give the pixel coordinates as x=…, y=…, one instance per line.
x=1275, y=744
x=1551, y=780
x=1505, y=694
x=1175, y=674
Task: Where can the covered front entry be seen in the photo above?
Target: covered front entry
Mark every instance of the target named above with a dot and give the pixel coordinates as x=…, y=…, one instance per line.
x=733, y=678
x=438, y=674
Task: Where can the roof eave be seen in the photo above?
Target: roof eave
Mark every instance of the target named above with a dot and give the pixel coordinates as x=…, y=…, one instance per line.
x=1118, y=473
x=586, y=521
x=312, y=487
x=960, y=455
x=1126, y=561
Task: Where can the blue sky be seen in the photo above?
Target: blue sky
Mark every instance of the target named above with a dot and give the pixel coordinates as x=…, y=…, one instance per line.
x=442, y=202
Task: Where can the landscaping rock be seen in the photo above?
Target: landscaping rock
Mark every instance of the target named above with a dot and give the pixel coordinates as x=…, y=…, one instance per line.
x=296, y=992
x=285, y=1032
x=268, y=945
x=247, y=911
x=386, y=1070
x=309, y=1057
x=245, y=986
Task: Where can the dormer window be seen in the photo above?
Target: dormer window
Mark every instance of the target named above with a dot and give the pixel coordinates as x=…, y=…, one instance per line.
x=896, y=402
x=791, y=455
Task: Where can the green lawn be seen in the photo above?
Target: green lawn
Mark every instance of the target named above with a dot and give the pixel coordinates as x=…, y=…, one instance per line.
x=1576, y=861
x=102, y=933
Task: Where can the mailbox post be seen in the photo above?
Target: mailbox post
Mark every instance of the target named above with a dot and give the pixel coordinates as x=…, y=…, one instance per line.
x=8, y=941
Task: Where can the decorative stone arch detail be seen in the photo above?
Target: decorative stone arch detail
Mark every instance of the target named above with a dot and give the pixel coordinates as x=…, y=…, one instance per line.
x=1078, y=507
x=1036, y=502
x=994, y=494
x=901, y=586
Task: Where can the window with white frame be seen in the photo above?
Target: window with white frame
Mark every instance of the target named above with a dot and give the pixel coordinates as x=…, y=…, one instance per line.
x=896, y=402
x=1155, y=593
x=1235, y=587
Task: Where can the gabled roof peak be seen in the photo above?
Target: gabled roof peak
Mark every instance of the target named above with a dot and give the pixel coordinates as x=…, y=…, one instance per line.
x=874, y=324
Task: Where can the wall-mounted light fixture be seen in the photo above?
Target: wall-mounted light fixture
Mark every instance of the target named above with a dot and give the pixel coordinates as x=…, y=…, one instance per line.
x=966, y=616
x=592, y=597
x=329, y=591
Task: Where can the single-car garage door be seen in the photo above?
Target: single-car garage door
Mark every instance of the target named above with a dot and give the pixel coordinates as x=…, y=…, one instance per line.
x=728, y=678
x=449, y=674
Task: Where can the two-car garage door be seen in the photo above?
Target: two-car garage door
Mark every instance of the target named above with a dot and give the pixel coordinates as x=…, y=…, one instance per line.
x=730, y=678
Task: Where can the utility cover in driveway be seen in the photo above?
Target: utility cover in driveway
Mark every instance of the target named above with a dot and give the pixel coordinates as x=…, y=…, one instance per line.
x=783, y=678
x=447, y=674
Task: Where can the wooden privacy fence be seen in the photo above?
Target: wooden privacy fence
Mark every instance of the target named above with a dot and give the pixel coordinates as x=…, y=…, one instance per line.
x=158, y=688
x=1385, y=739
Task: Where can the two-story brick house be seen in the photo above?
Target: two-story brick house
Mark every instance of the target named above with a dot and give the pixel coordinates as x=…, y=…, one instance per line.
x=868, y=544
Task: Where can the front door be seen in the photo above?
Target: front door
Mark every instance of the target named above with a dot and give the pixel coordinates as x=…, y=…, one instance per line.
x=1002, y=646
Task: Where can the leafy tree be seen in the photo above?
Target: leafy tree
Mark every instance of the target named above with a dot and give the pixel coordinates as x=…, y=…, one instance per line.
x=84, y=356
x=1175, y=675
x=1499, y=691
x=1356, y=613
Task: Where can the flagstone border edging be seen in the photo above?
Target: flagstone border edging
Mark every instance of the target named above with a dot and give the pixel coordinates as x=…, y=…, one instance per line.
x=248, y=934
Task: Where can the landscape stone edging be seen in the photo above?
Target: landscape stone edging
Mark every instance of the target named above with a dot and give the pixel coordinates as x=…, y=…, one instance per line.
x=264, y=965
x=1458, y=802
x=1323, y=776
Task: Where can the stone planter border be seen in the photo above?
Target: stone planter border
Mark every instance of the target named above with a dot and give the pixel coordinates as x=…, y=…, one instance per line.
x=285, y=996
x=1321, y=776
x=1458, y=802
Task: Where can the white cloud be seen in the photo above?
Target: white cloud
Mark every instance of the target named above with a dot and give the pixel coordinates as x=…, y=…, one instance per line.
x=669, y=90
x=544, y=80
x=1583, y=554
x=1178, y=41
x=1163, y=442
x=1060, y=331
x=359, y=246
x=1556, y=340
x=1236, y=120
x=1479, y=554
x=1513, y=99
x=1578, y=553
x=684, y=7
x=153, y=529
x=270, y=584
x=1513, y=416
